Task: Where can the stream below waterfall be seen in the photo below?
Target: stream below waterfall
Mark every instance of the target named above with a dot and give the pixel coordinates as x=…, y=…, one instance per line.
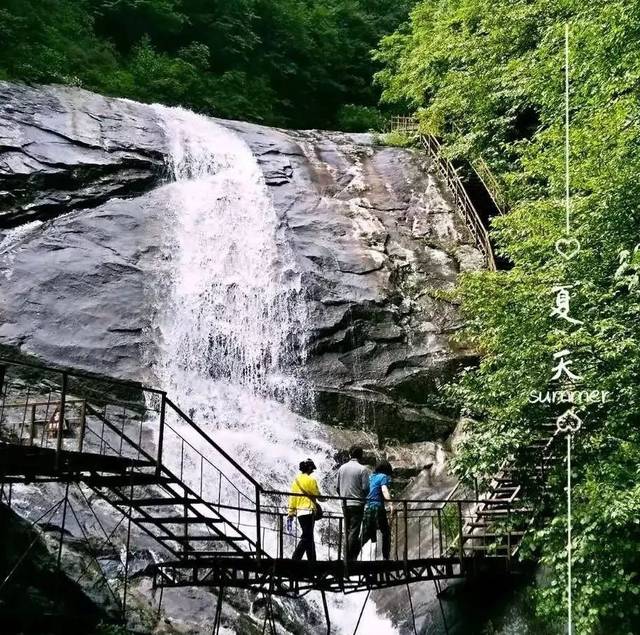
x=231, y=315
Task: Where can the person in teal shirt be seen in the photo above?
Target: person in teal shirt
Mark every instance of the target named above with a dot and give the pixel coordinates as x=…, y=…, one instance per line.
x=375, y=515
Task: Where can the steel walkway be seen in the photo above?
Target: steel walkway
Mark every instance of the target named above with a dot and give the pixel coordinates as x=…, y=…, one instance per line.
x=214, y=523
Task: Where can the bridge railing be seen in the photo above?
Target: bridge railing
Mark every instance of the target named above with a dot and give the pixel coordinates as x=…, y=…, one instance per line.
x=101, y=417
x=419, y=529
x=51, y=409
x=70, y=412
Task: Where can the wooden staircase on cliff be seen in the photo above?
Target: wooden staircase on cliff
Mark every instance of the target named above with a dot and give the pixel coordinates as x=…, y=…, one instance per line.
x=476, y=223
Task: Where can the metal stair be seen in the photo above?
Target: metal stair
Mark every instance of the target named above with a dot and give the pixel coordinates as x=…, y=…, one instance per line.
x=214, y=523
x=501, y=518
x=107, y=451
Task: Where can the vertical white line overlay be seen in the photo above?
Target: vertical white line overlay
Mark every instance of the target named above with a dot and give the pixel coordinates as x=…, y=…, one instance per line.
x=568, y=229
x=566, y=128
x=569, y=598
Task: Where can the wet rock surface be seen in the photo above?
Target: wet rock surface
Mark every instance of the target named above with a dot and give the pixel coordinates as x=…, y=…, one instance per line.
x=65, y=148
x=37, y=597
x=373, y=236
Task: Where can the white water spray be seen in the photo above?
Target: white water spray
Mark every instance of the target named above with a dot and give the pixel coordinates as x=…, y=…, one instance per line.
x=232, y=313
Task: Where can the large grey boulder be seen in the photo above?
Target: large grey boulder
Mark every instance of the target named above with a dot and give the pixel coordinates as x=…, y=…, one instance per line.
x=377, y=240
x=372, y=232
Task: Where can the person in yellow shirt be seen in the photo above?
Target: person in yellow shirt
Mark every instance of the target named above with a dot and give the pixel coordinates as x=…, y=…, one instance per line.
x=303, y=504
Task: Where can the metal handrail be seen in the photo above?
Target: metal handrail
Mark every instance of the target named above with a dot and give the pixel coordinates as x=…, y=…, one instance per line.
x=401, y=123
x=461, y=199
x=488, y=179
x=450, y=175
x=426, y=514
x=212, y=443
x=136, y=386
x=165, y=471
x=81, y=375
x=208, y=462
x=324, y=497
x=490, y=183
x=161, y=468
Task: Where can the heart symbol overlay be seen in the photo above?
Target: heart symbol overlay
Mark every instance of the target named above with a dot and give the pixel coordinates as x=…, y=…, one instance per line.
x=568, y=247
x=569, y=422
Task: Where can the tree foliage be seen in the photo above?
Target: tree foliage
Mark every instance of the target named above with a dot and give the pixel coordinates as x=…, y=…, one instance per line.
x=487, y=76
x=285, y=62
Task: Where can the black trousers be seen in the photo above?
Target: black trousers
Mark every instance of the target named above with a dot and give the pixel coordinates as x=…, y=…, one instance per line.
x=353, y=527
x=375, y=520
x=385, y=530
x=307, y=544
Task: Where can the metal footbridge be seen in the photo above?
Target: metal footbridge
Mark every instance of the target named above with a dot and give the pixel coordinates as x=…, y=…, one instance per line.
x=217, y=526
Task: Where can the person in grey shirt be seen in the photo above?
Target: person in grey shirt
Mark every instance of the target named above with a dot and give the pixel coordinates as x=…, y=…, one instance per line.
x=353, y=483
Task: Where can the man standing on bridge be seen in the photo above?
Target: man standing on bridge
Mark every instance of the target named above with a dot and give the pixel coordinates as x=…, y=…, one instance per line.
x=353, y=485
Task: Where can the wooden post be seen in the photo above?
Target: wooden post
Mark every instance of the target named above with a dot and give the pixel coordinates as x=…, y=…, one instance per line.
x=63, y=398
x=83, y=424
x=281, y=535
x=440, y=531
x=340, y=530
x=163, y=406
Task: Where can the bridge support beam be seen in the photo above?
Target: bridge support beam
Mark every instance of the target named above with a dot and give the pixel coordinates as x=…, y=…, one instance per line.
x=64, y=521
x=364, y=604
x=217, y=620
x=326, y=611
x=413, y=615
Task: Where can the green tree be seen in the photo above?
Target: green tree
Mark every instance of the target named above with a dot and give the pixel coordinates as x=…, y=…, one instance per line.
x=284, y=62
x=51, y=41
x=488, y=78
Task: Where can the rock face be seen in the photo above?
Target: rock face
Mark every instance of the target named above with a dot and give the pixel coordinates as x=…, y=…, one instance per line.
x=62, y=149
x=37, y=596
x=82, y=203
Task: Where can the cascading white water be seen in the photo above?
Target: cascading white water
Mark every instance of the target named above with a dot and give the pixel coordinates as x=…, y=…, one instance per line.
x=231, y=313
x=233, y=316
x=236, y=302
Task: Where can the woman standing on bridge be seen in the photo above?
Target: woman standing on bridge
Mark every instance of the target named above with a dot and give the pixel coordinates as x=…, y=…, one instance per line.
x=303, y=503
x=375, y=515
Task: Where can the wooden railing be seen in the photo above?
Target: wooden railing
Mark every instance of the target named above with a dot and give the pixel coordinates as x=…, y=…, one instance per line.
x=491, y=184
x=444, y=167
x=407, y=125
x=461, y=199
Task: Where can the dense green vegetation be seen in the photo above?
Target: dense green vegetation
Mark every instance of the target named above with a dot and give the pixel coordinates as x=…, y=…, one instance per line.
x=303, y=63
x=487, y=75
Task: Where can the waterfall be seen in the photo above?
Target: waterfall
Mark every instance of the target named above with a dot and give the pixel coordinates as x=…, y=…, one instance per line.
x=235, y=299
x=232, y=317
x=231, y=312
